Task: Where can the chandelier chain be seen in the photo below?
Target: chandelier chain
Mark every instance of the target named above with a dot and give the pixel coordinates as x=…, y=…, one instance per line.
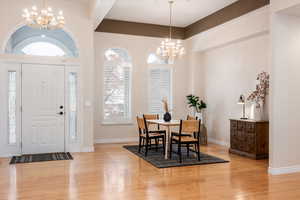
x=170, y=49
x=171, y=15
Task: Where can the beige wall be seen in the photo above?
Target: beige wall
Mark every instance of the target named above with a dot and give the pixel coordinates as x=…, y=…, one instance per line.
x=285, y=94
x=80, y=26
x=139, y=48
x=226, y=73
x=253, y=23
x=224, y=62
x=278, y=5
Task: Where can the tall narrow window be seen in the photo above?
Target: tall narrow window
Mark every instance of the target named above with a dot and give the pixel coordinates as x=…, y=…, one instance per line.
x=117, y=87
x=159, y=88
x=73, y=105
x=12, y=104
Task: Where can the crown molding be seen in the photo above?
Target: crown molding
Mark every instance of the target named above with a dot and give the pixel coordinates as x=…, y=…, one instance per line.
x=142, y=29
x=222, y=16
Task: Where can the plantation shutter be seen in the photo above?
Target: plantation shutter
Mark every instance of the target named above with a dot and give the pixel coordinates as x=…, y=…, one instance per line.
x=117, y=92
x=159, y=88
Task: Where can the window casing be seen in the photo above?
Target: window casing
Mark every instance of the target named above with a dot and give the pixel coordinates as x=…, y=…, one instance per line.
x=117, y=87
x=12, y=107
x=73, y=105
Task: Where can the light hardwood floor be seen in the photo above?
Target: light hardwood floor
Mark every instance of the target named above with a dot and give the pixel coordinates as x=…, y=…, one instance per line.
x=113, y=173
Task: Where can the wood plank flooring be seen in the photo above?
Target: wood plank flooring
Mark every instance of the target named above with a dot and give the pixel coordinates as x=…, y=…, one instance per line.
x=113, y=173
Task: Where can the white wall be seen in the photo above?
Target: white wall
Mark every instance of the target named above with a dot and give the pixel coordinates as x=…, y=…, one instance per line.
x=253, y=23
x=226, y=73
x=224, y=63
x=80, y=26
x=285, y=94
x=139, y=48
x=278, y=5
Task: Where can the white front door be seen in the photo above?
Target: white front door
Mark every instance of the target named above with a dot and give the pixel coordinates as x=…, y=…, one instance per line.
x=43, y=119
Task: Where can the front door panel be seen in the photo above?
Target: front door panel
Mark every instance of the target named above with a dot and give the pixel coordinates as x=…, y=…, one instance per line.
x=43, y=120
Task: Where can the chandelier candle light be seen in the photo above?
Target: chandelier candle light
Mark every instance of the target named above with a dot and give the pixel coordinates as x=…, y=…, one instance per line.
x=170, y=49
x=44, y=18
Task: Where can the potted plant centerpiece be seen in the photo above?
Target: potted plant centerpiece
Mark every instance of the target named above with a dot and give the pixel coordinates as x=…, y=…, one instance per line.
x=197, y=105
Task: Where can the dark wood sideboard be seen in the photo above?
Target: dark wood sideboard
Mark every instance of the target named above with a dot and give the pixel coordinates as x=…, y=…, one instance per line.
x=249, y=138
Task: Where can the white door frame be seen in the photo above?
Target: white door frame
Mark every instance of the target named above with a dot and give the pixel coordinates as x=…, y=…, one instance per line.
x=9, y=62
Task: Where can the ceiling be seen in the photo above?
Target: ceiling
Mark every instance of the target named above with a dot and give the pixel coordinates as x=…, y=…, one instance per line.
x=186, y=12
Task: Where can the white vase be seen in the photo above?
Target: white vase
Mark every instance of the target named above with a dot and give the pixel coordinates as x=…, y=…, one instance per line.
x=258, y=112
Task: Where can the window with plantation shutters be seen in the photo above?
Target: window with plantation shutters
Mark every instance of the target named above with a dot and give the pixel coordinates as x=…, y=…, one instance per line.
x=160, y=87
x=117, y=87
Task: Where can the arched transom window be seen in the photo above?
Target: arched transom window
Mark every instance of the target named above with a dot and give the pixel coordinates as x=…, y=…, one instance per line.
x=43, y=49
x=35, y=42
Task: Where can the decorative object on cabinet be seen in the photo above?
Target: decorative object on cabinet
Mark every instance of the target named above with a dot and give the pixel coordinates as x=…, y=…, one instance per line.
x=258, y=97
x=242, y=101
x=249, y=138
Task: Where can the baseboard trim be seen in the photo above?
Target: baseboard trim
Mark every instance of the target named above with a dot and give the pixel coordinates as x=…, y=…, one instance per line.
x=9, y=155
x=116, y=140
x=219, y=142
x=284, y=170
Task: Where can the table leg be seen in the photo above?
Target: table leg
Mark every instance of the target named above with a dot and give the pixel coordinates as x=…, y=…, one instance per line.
x=167, y=142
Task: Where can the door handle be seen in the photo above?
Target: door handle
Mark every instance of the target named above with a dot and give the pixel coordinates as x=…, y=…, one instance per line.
x=60, y=113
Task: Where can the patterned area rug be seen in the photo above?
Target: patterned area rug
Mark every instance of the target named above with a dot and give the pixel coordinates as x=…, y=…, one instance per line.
x=157, y=159
x=41, y=157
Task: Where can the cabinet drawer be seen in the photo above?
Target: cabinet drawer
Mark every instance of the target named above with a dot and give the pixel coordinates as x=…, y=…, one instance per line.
x=241, y=126
x=233, y=125
x=250, y=143
x=250, y=127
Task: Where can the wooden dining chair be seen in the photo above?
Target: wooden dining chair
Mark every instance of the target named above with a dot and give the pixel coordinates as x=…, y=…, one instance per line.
x=187, y=134
x=186, y=126
x=153, y=129
x=145, y=136
x=203, y=134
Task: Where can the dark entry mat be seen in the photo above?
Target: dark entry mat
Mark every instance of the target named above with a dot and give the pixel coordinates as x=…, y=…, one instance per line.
x=41, y=158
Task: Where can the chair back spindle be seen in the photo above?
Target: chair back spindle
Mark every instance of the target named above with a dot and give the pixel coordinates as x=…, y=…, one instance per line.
x=189, y=117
